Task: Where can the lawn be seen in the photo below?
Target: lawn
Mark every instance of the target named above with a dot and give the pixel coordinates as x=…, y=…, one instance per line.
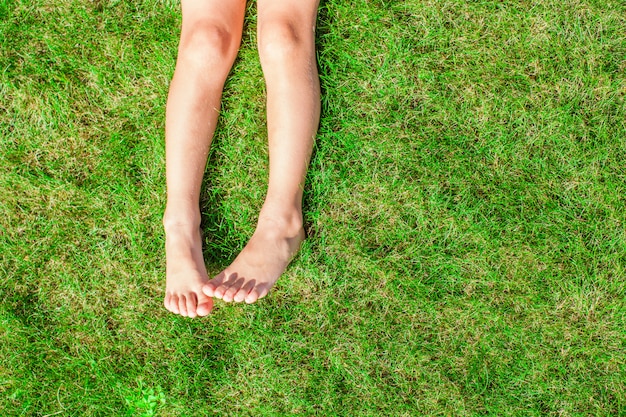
x=465, y=210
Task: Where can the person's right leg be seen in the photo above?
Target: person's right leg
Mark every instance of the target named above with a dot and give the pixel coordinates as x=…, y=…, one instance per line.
x=210, y=38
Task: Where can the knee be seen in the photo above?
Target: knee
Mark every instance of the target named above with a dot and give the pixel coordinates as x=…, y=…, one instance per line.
x=281, y=40
x=206, y=44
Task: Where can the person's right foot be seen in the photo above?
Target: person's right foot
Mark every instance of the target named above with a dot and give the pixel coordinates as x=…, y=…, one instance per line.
x=185, y=271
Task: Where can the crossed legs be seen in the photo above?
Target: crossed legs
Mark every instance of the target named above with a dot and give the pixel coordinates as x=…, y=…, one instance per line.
x=209, y=41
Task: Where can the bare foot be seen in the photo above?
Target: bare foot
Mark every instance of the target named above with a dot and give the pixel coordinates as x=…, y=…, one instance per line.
x=260, y=263
x=186, y=273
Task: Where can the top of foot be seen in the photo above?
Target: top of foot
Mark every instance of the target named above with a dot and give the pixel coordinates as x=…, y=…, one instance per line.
x=259, y=265
x=186, y=272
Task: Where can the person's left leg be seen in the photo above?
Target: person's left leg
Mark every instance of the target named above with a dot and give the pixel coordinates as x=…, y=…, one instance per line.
x=286, y=42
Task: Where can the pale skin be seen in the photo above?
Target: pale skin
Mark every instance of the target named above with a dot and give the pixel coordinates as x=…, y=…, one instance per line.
x=210, y=38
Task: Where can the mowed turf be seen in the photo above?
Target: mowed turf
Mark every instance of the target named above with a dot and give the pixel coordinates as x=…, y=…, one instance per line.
x=465, y=211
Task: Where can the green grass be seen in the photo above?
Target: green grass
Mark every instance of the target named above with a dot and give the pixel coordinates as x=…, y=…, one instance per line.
x=465, y=207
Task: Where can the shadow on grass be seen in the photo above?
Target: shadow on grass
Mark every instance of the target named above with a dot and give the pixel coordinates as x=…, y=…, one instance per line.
x=310, y=203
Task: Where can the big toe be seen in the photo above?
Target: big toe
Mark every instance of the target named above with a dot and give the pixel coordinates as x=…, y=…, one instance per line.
x=204, y=307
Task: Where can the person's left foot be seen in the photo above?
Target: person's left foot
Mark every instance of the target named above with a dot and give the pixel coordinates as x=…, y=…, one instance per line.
x=259, y=265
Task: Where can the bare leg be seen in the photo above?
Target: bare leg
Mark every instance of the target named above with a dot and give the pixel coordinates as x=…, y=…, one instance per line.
x=286, y=34
x=210, y=37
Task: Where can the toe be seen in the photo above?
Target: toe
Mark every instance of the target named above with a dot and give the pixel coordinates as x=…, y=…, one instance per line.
x=174, y=304
x=241, y=295
x=166, y=301
x=225, y=282
x=257, y=292
x=182, y=305
x=230, y=292
x=192, y=301
x=228, y=295
x=243, y=291
x=263, y=289
x=209, y=289
x=252, y=296
x=205, y=305
x=220, y=291
x=211, y=286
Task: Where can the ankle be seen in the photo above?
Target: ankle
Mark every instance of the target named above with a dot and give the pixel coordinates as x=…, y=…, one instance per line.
x=181, y=219
x=283, y=220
